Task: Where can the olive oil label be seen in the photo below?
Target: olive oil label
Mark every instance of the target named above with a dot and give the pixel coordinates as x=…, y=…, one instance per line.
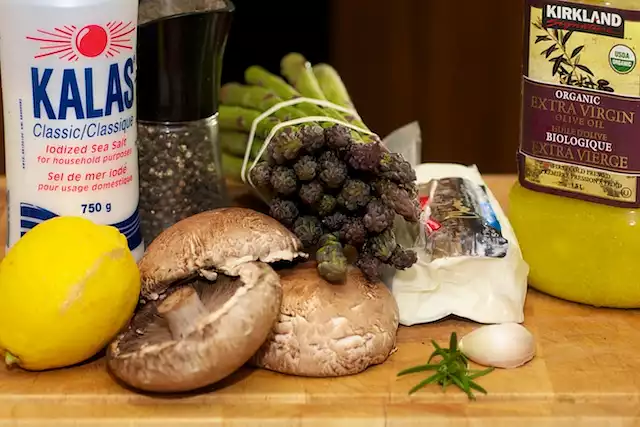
x=581, y=89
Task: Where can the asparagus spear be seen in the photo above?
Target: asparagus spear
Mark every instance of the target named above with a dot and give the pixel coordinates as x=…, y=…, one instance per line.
x=258, y=76
x=235, y=143
x=298, y=71
x=231, y=166
x=262, y=99
x=286, y=144
x=257, y=98
x=240, y=119
x=295, y=68
x=332, y=85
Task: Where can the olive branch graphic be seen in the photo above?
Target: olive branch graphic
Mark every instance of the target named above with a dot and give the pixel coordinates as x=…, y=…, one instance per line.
x=567, y=65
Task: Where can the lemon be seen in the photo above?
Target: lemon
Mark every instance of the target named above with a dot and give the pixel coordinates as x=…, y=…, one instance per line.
x=66, y=289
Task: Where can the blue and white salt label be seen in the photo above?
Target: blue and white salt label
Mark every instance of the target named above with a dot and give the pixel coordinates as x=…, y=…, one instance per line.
x=68, y=77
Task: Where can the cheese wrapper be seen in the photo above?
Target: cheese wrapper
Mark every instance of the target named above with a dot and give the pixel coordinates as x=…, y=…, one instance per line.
x=469, y=261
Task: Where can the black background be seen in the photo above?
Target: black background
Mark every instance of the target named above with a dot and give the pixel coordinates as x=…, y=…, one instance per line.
x=264, y=31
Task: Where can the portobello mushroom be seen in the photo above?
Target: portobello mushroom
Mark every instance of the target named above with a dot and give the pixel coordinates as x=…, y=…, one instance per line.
x=210, y=300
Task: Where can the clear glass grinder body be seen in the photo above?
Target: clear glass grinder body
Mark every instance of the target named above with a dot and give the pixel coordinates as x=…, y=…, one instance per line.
x=68, y=80
x=180, y=172
x=575, y=206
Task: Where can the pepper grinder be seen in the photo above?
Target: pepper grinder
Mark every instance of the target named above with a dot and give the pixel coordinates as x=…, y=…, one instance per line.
x=179, y=71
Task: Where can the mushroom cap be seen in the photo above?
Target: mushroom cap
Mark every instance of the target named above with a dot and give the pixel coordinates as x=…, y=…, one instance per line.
x=240, y=314
x=219, y=240
x=327, y=329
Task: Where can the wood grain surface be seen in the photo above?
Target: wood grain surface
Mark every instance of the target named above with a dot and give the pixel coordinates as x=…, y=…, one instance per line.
x=586, y=374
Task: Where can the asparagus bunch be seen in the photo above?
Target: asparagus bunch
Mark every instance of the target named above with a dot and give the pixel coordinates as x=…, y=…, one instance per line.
x=331, y=185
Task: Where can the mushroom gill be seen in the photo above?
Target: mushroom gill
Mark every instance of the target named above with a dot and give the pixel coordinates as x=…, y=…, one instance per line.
x=180, y=313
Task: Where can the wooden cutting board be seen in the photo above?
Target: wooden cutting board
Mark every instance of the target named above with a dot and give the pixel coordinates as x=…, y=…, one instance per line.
x=587, y=373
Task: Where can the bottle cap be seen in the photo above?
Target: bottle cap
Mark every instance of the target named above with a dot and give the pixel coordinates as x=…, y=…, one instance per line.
x=179, y=62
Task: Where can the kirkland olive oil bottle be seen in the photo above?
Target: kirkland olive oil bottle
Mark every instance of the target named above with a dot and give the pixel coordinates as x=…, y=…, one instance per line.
x=575, y=208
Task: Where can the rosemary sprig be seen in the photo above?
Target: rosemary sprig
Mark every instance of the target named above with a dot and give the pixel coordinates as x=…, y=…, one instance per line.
x=452, y=369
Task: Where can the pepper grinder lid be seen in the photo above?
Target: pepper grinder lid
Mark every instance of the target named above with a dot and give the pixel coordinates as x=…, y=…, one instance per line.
x=180, y=63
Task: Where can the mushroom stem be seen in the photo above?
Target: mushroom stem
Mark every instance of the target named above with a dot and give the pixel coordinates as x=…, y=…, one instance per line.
x=182, y=309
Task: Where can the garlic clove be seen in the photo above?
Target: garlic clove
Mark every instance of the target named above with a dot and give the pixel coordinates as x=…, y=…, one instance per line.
x=506, y=345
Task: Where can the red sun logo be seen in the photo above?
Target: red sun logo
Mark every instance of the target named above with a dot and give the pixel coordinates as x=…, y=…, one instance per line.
x=90, y=41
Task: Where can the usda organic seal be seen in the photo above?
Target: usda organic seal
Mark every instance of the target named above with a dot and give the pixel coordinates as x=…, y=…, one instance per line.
x=622, y=59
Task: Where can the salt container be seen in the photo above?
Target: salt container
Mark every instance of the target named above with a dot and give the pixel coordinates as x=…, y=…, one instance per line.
x=68, y=71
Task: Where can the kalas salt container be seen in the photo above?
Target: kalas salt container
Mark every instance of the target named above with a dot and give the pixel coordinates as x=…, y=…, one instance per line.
x=68, y=71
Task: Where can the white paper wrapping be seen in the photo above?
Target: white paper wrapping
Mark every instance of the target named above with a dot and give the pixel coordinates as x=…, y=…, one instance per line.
x=482, y=289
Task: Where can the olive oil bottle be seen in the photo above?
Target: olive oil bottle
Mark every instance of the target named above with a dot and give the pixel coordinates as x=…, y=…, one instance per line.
x=576, y=205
